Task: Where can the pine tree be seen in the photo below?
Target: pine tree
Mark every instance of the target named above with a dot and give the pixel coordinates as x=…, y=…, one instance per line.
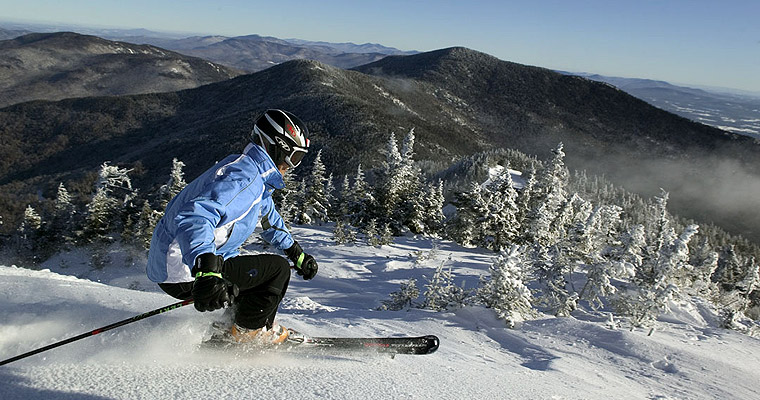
x=145, y=225
x=729, y=269
x=360, y=201
x=433, y=208
x=398, y=191
x=440, y=291
x=554, y=276
x=333, y=208
x=389, y=181
x=411, y=207
x=603, y=262
x=315, y=198
x=103, y=210
x=499, y=222
x=371, y=233
x=100, y=214
x=403, y=298
x=175, y=184
x=464, y=228
x=525, y=203
x=62, y=226
x=386, y=235
x=505, y=290
x=654, y=292
x=29, y=232
x=343, y=233
x=549, y=196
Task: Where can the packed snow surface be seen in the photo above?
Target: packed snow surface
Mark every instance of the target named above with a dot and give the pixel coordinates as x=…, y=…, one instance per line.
x=583, y=357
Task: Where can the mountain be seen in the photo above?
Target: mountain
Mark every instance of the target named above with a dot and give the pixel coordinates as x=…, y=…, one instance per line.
x=12, y=33
x=459, y=102
x=62, y=65
x=732, y=112
x=249, y=53
x=255, y=53
x=588, y=356
x=353, y=47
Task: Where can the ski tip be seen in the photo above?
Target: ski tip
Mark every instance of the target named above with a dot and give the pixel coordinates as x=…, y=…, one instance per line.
x=433, y=343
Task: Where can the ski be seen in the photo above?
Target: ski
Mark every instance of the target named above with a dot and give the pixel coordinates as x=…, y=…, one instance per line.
x=394, y=345
x=298, y=342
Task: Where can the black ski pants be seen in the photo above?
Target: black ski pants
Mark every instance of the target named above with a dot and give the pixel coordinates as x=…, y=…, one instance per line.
x=262, y=279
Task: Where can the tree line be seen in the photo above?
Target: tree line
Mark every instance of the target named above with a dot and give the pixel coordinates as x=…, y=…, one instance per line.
x=561, y=241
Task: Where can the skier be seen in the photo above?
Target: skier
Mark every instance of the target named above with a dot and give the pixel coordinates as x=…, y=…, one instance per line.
x=194, y=249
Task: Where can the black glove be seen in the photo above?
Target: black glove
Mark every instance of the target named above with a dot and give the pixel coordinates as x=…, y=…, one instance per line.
x=305, y=264
x=210, y=291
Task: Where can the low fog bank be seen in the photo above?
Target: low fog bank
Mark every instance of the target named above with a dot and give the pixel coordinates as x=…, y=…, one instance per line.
x=710, y=189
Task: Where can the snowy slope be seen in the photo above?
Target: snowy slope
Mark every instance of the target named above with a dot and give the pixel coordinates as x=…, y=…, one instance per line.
x=158, y=358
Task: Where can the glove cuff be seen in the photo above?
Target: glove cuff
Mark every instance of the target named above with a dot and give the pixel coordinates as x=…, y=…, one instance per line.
x=204, y=274
x=295, y=253
x=207, y=263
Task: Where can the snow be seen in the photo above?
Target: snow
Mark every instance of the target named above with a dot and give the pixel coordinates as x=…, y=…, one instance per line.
x=583, y=357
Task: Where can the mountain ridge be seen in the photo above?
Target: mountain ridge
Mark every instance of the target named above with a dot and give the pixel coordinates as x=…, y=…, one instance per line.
x=459, y=102
x=55, y=66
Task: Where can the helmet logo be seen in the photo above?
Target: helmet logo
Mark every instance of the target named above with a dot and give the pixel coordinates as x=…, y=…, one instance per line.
x=282, y=143
x=291, y=129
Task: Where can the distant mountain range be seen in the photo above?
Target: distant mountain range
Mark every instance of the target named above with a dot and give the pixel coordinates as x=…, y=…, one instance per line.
x=459, y=102
x=249, y=53
x=738, y=113
x=253, y=52
x=733, y=112
x=55, y=66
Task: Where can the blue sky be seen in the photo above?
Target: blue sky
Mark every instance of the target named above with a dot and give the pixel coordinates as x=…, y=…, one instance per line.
x=714, y=43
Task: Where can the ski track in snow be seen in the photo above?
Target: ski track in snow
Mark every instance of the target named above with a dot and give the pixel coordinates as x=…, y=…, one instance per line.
x=158, y=358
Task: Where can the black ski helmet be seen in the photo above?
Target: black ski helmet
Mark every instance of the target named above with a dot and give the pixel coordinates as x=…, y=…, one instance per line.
x=282, y=135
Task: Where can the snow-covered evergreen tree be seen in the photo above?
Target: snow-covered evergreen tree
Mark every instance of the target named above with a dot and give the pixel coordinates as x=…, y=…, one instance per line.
x=603, y=262
x=553, y=274
x=175, y=184
x=371, y=233
x=343, y=233
x=505, y=290
x=525, y=202
x=62, y=226
x=31, y=223
x=729, y=270
x=549, y=196
x=399, y=188
x=145, y=225
x=315, y=201
x=103, y=210
x=433, y=208
x=390, y=183
x=499, y=220
x=100, y=214
x=360, y=200
x=403, y=298
x=464, y=228
x=333, y=206
x=63, y=204
x=658, y=287
x=440, y=291
x=28, y=235
x=386, y=234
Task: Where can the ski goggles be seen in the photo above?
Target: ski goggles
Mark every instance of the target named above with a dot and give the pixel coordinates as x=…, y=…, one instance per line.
x=295, y=157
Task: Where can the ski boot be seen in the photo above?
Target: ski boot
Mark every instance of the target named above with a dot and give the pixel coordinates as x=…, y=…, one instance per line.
x=261, y=336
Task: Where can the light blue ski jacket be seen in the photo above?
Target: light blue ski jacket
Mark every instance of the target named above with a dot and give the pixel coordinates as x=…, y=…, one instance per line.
x=216, y=213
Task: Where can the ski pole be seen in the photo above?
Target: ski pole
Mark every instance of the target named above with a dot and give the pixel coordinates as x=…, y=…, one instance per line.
x=99, y=330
